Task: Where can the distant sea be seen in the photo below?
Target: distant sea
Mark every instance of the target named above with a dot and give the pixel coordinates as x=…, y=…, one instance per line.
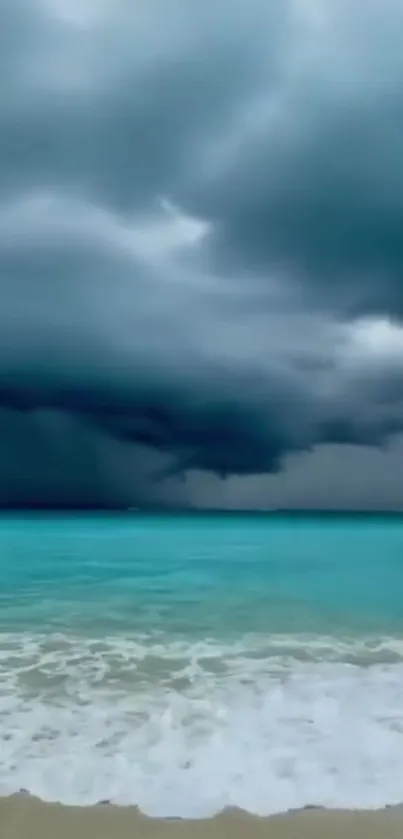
x=186, y=663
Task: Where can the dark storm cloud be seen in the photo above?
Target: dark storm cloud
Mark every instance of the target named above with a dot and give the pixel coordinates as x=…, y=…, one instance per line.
x=52, y=459
x=200, y=206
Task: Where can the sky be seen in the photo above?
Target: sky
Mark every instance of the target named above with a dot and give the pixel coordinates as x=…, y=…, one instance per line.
x=201, y=253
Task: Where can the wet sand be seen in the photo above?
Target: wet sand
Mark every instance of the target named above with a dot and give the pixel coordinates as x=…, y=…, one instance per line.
x=22, y=817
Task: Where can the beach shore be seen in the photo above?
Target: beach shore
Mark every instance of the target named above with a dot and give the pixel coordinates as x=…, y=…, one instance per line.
x=23, y=817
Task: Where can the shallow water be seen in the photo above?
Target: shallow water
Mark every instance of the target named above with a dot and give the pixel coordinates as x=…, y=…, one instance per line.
x=189, y=663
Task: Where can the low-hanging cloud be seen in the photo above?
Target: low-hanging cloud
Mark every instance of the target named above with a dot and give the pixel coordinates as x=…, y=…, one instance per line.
x=200, y=250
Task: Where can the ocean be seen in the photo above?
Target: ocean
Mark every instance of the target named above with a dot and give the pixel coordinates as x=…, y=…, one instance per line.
x=188, y=663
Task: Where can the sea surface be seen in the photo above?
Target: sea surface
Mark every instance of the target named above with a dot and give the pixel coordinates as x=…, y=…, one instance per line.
x=190, y=663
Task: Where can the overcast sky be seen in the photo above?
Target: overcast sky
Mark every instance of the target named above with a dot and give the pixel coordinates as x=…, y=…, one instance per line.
x=201, y=252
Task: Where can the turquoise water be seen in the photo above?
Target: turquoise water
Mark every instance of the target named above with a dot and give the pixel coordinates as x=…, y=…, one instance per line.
x=201, y=574
x=181, y=656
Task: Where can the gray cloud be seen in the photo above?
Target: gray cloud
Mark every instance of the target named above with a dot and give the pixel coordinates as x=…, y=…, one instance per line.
x=334, y=477
x=200, y=256
x=314, y=183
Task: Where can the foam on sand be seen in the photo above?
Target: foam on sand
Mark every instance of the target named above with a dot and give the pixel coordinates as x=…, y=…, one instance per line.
x=184, y=729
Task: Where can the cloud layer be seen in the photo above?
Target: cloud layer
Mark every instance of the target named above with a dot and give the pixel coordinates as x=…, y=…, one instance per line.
x=200, y=248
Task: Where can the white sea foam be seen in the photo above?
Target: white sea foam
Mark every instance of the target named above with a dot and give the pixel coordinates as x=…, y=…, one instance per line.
x=188, y=728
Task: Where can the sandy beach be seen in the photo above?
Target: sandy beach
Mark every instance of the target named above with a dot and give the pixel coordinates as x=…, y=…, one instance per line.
x=22, y=817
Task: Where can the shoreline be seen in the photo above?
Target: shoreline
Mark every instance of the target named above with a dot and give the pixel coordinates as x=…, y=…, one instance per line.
x=25, y=817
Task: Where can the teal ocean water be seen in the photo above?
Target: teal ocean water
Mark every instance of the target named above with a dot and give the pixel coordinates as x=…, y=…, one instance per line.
x=189, y=663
